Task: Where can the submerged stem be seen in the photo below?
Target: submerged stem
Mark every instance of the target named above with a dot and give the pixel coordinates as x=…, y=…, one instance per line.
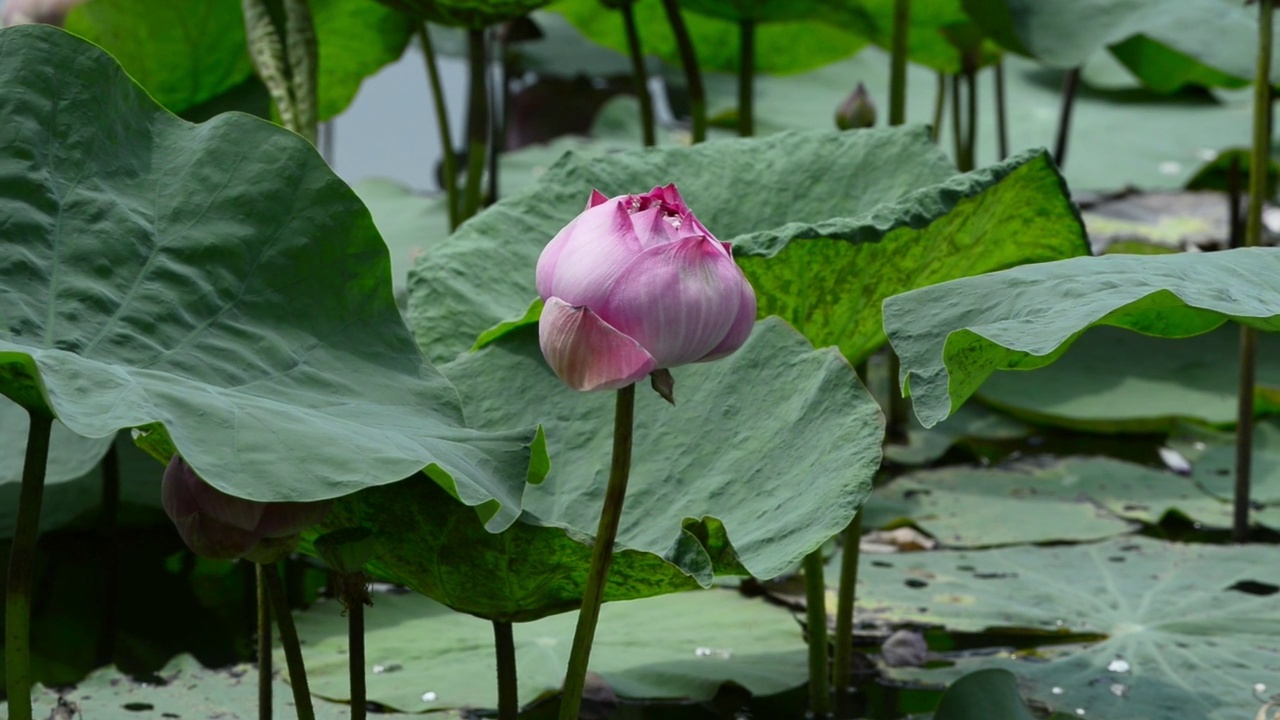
x=477, y=123
x=601, y=555
x=815, y=593
x=639, y=77
x=693, y=76
x=504, y=645
x=1259, y=161
x=264, y=644
x=289, y=640
x=746, y=78
x=842, y=666
x=22, y=556
x=449, y=161
x=1070, y=84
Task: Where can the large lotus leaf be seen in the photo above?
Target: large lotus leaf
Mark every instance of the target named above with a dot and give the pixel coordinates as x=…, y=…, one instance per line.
x=1188, y=629
x=473, y=14
x=976, y=507
x=682, y=646
x=187, y=53
x=407, y=221
x=952, y=336
x=1113, y=380
x=1165, y=44
x=714, y=485
x=873, y=199
x=218, y=286
x=187, y=689
x=73, y=479
x=784, y=46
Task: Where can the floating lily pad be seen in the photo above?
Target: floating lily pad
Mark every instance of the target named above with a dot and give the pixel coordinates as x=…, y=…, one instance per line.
x=706, y=481
x=1213, y=468
x=1189, y=629
x=217, y=286
x=423, y=656
x=951, y=337
x=189, y=690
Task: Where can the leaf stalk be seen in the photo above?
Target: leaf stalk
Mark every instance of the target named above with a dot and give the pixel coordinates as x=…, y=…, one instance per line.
x=22, y=556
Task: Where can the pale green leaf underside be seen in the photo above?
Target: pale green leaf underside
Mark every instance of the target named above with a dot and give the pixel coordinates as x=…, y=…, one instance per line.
x=217, y=284
x=1194, y=647
x=645, y=649
x=775, y=420
x=951, y=337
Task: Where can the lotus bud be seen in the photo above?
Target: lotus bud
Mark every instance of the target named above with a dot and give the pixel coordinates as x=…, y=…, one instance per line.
x=49, y=12
x=857, y=111
x=224, y=527
x=636, y=284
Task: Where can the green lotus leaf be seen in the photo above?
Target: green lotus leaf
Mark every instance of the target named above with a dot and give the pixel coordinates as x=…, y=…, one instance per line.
x=678, y=647
x=186, y=54
x=808, y=234
x=793, y=39
x=953, y=336
x=703, y=498
x=218, y=287
x=1185, y=630
x=473, y=14
x=982, y=695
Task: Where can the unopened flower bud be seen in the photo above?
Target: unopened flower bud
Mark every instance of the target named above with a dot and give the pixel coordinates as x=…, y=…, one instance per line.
x=217, y=525
x=857, y=111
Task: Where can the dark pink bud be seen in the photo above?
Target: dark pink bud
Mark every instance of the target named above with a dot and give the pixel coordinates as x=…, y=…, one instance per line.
x=857, y=111
x=217, y=525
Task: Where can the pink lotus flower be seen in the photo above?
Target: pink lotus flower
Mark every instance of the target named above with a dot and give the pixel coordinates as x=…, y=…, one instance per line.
x=636, y=284
x=224, y=527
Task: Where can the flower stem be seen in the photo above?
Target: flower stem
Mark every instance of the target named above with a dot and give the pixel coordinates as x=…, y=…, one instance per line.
x=477, y=123
x=22, y=555
x=815, y=591
x=1002, y=129
x=449, y=161
x=355, y=652
x=746, y=78
x=504, y=645
x=264, y=644
x=957, y=129
x=601, y=555
x=693, y=76
x=639, y=76
x=289, y=639
x=1258, y=164
x=1070, y=84
x=971, y=118
x=842, y=666
x=898, y=62
x=939, y=103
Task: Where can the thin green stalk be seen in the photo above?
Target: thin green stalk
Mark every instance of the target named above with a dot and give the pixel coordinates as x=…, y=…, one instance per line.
x=957, y=129
x=22, y=557
x=1259, y=161
x=971, y=119
x=289, y=640
x=499, y=101
x=842, y=665
x=477, y=124
x=1002, y=129
x=109, y=547
x=304, y=61
x=815, y=595
x=450, y=161
x=693, y=76
x=601, y=554
x=939, y=102
x=746, y=78
x=264, y=644
x=898, y=62
x=504, y=645
x=1070, y=84
x=355, y=650
x=639, y=76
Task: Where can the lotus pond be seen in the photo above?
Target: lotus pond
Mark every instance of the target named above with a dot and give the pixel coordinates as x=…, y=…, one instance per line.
x=959, y=318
